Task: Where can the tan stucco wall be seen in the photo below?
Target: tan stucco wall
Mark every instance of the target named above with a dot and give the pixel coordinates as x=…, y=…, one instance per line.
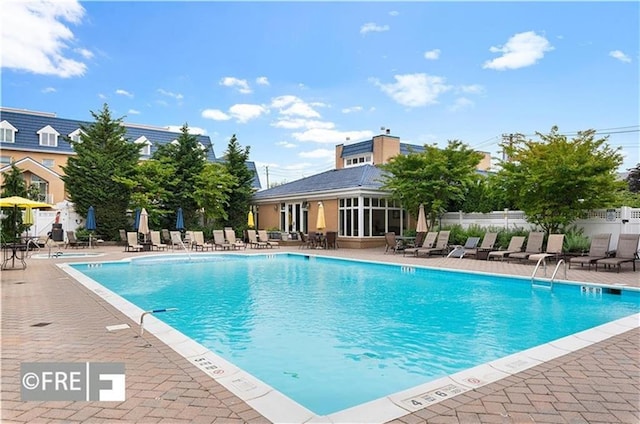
x=339, y=160
x=384, y=148
x=56, y=186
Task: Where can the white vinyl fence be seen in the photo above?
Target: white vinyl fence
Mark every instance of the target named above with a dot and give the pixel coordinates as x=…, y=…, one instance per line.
x=624, y=220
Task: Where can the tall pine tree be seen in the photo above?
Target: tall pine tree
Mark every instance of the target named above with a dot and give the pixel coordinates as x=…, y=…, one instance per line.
x=102, y=155
x=235, y=161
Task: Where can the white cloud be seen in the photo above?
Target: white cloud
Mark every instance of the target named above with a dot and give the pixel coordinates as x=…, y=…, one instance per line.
x=192, y=130
x=322, y=135
x=522, y=50
x=394, y=13
x=87, y=54
x=471, y=89
x=286, y=144
x=215, y=114
x=246, y=112
x=133, y=112
x=122, y=92
x=432, y=54
x=318, y=154
x=352, y=109
x=49, y=90
x=102, y=96
x=289, y=105
x=461, y=103
x=240, y=84
x=176, y=96
x=373, y=27
x=282, y=101
x=414, y=89
x=301, y=123
x=35, y=39
x=262, y=81
x=617, y=54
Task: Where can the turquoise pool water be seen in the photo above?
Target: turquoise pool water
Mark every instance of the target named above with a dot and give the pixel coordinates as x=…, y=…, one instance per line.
x=331, y=334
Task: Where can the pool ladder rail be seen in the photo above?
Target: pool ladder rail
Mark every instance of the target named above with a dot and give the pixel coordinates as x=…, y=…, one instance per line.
x=543, y=261
x=153, y=311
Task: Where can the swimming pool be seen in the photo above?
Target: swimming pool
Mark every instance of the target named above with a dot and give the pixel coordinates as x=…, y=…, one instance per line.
x=316, y=329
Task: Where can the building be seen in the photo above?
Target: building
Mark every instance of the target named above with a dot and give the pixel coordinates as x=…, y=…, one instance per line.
x=36, y=143
x=351, y=194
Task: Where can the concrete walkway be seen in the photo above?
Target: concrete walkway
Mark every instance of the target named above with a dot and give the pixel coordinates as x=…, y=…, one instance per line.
x=48, y=317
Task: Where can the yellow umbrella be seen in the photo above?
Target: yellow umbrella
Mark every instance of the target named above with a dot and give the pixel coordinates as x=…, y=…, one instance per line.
x=320, y=222
x=250, y=222
x=21, y=202
x=28, y=217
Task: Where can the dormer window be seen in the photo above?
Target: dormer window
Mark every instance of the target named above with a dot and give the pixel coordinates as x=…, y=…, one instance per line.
x=357, y=160
x=7, y=132
x=48, y=136
x=145, y=146
x=76, y=136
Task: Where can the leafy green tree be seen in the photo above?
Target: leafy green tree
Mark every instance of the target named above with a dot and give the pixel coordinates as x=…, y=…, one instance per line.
x=187, y=158
x=13, y=185
x=235, y=160
x=213, y=188
x=633, y=179
x=555, y=180
x=92, y=176
x=435, y=177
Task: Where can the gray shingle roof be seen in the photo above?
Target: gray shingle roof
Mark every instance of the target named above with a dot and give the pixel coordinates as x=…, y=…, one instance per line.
x=364, y=176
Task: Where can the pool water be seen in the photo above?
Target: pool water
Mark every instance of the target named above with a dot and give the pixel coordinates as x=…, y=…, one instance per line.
x=331, y=334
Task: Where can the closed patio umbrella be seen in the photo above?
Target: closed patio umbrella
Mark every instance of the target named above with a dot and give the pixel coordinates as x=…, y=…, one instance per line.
x=250, y=222
x=143, y=226
x=136, y=219
x=179, y=220
x=91, y=222
x=320, y=221
x=421, y=226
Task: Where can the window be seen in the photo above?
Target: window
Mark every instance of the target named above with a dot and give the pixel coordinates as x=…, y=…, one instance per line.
x=5, y=160
x=357, y=160
x=48, y=136
x=7, y=132
x=348, y=217
x=49, y=163
x=76, y=136
x=41, y=186
x=145, y=145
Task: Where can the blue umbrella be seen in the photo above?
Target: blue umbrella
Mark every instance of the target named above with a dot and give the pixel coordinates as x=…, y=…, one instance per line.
x=91, y=219
x=179, y=220
x=136, y=221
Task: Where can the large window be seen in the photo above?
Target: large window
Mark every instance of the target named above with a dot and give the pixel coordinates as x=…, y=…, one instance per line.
x=376, y=216
x=42, y=186
x=7, y=132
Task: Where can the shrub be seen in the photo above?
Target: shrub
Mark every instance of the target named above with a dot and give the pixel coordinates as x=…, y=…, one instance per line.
x=575, y=241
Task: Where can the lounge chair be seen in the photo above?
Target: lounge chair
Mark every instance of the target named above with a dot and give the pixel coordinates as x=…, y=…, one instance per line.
x=441, y=246
x=332, y=240
x=597, y=250
x=554, y=249
x=132, y=243
x=515, y=245
x=488, y=241
x=73, y=241
x=220, y=242
x=427, y=243
x=197, y=241
x=165, y=236
x=534, y=245
x=230, y=235
x=156, y=242
x=263, y=236
x=391, y=243
x=459, y=251
x=252, y=236
x=123, y=237
x=176, y=240
x=626, y=251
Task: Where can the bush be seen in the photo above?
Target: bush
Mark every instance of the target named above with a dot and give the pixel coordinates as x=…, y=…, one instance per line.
x=575, y=241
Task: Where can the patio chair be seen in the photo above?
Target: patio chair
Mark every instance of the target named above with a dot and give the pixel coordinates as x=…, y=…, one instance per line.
x=230, y=235
x=252, y=236
x=488, y=241
x=554, y=249
x=176, y=240
x=441, y=246
x=165, y=236
x=198, y=242
x=123, y=237
x=597, y=250
x=459, y=251
x=427, y=243
x=156, y=242
x=626, y=251
x=73, y=241
x=219, y=241
x=534, y=245
x=332, y=240
x=263, y=236
x=391, y=243
x=132, y=243
x=515, y=245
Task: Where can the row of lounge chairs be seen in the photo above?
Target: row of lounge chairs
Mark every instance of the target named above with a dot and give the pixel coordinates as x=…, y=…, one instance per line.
x=433, y=243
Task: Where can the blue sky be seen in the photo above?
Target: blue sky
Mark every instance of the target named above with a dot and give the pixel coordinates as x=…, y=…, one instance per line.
x=293, y=79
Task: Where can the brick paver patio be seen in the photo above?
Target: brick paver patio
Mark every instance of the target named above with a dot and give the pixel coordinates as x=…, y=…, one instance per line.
x=48, y=317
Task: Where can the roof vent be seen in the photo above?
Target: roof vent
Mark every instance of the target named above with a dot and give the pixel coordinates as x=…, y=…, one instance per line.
x=388, y=131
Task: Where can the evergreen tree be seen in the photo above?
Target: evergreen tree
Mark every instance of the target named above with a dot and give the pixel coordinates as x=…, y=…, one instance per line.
x=13, y=185
x=235, y=161
x=187, y=158
x=633, y=179
x=103, y=155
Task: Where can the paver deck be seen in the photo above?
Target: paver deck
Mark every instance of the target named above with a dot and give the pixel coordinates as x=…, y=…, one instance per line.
x=47, y=316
